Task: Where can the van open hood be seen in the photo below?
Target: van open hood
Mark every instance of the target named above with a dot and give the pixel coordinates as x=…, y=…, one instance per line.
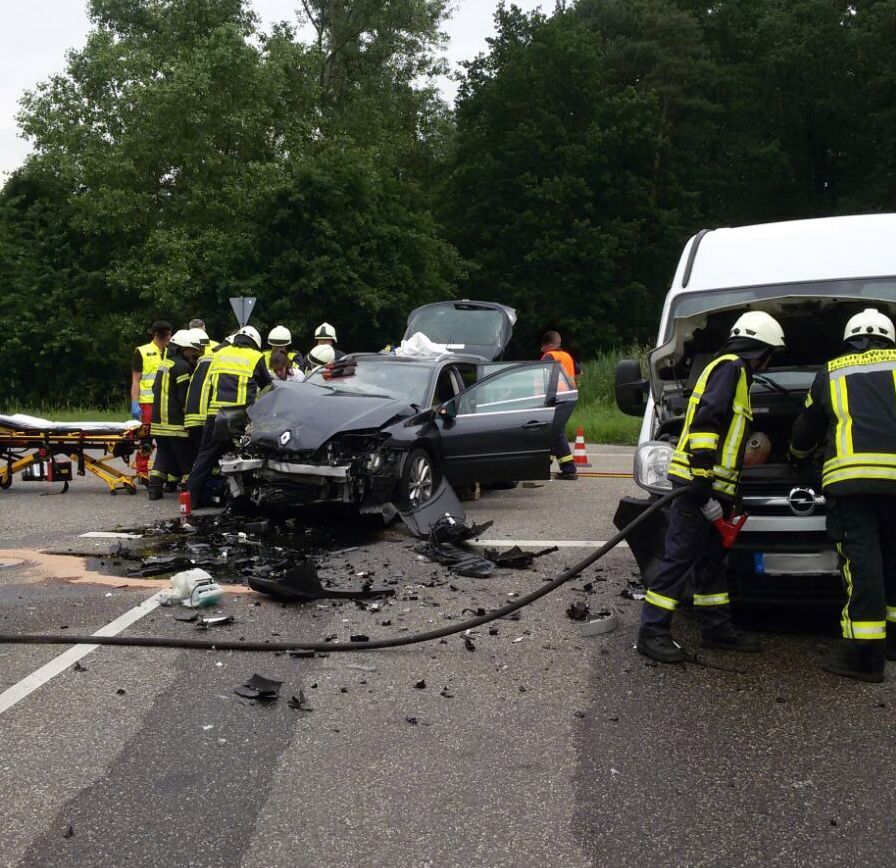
x=478, y=328
x=813, y=331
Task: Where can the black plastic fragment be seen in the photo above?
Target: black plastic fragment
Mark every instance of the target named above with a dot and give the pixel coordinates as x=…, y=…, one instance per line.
x=578, y=611
x=259, y=687
x=302, y=585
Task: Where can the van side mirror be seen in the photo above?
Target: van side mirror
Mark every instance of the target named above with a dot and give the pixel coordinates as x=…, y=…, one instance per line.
x=631, y=388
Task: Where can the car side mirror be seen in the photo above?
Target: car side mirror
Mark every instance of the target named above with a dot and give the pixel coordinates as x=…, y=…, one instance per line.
x=448, y=410
x=631, y=388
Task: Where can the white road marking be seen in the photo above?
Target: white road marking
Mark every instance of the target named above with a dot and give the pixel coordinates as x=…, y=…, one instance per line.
x=546, y=543
x=109, y=534
x=41, y=676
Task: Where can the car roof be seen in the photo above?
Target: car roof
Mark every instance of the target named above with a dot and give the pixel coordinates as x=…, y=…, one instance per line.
x=795, y=251
x=453, y=358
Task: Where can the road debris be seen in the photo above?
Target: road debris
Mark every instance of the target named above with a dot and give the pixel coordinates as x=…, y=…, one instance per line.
x=259, y=687
x=301, y=584
x=578, y=611
x=604, y=622
x=515, y=558
x=299, y=702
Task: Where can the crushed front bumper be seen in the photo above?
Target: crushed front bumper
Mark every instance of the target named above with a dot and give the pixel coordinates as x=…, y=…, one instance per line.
x=276, y=481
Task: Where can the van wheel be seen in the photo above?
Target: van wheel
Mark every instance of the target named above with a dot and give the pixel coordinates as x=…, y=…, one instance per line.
x=419, y=478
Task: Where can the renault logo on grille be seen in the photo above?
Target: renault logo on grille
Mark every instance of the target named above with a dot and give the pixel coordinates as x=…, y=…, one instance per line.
x=802, y=501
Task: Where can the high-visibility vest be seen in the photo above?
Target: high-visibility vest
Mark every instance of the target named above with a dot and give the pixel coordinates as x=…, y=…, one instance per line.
x=230, y=380
x=196, y=405
x=859, y=397
x=729, y=448
x=566, y=362
x=169, y=393
x=152, y=356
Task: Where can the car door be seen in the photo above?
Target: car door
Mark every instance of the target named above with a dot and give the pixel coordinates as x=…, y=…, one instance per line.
x=499, y=430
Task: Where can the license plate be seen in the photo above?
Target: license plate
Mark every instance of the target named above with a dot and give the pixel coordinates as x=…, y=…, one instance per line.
x=796, y=563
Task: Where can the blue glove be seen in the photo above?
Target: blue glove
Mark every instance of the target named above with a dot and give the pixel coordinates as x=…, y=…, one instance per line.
x=136, y=411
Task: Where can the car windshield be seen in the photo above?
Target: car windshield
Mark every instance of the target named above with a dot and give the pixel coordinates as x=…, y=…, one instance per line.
x=862, y=290
x=456, y=324
x=384, y=378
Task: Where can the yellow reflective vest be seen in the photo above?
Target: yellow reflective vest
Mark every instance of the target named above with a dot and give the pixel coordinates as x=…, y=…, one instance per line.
x=196, y=405
x=152, y=357
x=715, y=428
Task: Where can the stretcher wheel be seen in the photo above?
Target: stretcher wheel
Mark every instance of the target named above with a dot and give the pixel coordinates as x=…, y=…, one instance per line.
x=6, y=481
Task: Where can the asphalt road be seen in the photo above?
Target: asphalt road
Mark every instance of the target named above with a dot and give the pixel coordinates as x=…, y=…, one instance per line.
x=538, y=748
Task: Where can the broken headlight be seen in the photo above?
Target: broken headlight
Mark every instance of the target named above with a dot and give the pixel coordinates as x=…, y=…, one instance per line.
x=373, y=462
x=652, y=466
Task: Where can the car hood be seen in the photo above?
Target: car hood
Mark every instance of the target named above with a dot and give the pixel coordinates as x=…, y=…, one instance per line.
x=302, y=417
x=477, y=328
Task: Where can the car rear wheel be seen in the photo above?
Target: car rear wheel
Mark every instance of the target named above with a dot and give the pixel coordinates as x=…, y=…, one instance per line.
x=419, y=479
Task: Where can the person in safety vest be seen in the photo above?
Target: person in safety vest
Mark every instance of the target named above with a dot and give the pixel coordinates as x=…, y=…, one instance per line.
x=236, y=374
x=851, y=412
x=196, y=403
x=280, y=338
x=708, y=461
x=145, y=363
x=174, y=457
x=550, y=349
x=325, y=335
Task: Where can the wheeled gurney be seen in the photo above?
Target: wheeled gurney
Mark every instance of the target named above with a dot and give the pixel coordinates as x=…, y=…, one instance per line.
x=41, y=450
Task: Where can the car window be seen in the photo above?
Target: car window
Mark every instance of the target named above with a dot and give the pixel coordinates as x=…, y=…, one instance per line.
x=445, y=389
x=521, y=389
x=459, y=324
x=380, y=377
x=469, y=374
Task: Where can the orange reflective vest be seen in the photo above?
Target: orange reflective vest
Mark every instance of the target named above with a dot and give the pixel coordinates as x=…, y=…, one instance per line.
x=566, y=362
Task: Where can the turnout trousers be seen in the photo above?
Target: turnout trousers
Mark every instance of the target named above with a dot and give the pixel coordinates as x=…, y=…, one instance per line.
x=174, y=459
x=693, y=550
x=863, y=528
x=559, y=442
x=211, y=448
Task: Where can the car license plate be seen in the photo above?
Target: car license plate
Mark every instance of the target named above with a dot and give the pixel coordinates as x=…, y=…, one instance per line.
x=796, y=563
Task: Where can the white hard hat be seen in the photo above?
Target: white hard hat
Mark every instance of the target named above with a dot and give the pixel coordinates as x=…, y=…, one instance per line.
x=279, y=336
x=870, y=323
x=759, y=326
x=325, y=332
x=322, y=355
x=186, y=339
x=201, y=336
x=252, y=333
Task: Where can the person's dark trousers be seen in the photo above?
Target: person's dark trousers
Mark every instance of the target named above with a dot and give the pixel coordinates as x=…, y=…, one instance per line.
x=182, y=457
x=863, y=527
x=559, y=442
x=693, y=550
x=210, y=450
x=164, y=465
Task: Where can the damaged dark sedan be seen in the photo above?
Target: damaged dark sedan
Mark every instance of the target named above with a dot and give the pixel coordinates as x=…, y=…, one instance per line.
x=381, y=430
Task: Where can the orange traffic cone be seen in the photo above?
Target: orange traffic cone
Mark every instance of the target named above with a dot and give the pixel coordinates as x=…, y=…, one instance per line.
x=579, y=453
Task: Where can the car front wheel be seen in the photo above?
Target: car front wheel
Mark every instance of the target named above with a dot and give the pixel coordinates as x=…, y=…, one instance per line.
x=419, y=479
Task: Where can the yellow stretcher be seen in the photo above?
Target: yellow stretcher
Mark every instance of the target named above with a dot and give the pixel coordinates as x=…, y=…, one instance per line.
x=40, y=450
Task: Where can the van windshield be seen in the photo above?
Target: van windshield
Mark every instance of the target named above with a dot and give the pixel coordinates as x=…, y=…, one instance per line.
x=880, y=289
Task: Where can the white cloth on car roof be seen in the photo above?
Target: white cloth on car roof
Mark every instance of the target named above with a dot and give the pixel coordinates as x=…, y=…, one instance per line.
x=420, y=346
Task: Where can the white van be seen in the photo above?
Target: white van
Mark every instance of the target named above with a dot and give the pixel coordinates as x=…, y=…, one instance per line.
x=812, y=275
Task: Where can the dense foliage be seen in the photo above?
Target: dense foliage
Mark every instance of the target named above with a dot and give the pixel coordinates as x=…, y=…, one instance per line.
x=185, y=156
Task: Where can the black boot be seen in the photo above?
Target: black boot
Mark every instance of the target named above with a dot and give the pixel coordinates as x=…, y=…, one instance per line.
x=154, y=487
x=890, y=648
x=662, y=648
x=858, y=658
x=731, y=640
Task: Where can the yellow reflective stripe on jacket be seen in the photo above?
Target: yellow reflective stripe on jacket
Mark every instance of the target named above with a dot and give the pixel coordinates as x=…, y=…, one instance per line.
x=711, y=599
x=840, y=406
x=660, y=601
x=160, y=430
x=152, y=357
x=726, y=472
x=891, y=613
x=703, y=440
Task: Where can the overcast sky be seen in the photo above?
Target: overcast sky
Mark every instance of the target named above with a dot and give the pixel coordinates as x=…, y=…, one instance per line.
x=36, y=34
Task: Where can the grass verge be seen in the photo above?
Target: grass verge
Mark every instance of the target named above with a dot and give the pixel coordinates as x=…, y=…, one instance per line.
x=604, y=423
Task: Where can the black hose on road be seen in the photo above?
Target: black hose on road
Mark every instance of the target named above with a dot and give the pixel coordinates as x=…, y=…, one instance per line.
x=332, y=647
